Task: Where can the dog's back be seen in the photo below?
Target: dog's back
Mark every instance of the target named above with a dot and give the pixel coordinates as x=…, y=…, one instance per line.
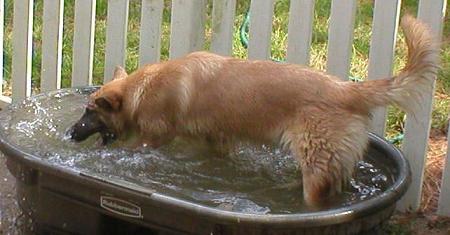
x=253, y=100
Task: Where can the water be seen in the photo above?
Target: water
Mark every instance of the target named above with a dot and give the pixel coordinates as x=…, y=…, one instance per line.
x=257, y=180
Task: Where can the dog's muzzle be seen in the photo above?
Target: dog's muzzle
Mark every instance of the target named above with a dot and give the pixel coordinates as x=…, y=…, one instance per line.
x=88, y=125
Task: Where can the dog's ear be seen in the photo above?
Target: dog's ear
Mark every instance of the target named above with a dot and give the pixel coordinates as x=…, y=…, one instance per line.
x=111, y=102
x=119, y=73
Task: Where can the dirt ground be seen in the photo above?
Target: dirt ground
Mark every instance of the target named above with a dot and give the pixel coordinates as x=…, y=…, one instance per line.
x=9, y=210
x=423, y=222
x=418, y=223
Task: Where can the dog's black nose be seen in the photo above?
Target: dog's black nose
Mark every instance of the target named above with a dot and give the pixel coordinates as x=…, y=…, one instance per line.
x=72, y=134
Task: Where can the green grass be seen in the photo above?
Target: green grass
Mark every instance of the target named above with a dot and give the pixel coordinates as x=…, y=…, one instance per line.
x=397, y=229
x=359, y=59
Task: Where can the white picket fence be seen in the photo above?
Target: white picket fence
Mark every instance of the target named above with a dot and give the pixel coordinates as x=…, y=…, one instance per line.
x=187, y=34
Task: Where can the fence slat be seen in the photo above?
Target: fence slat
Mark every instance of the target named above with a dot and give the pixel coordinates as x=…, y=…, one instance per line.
x=261, y=13
x=52, y=33
x=340, y=37
x=116, y=36
x=418, y=126
x=22, y=49
x=150, y=36
x=4, y=100
x=222, y=26
x=187, y=27
x=83, y=42
x=381, y=55
x=2, y=17
x=301, y=17
x=444, y=196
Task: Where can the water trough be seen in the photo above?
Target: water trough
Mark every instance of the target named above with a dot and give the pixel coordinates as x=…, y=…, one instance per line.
x=77, y=194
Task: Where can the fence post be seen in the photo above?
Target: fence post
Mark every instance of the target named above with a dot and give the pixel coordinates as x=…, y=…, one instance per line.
x=150, y=36
x=301, y=16
x=52, y=33
x=418, y=126
x=22, y=49
x=222, y=26
x=116, y=36
x=340, y=37
x=444, y=196
x=261, y=13
x=187, y=27
x=381, y=55
x=83, y=42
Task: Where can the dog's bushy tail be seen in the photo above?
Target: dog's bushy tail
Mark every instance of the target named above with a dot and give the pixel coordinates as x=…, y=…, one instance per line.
x=416, y=77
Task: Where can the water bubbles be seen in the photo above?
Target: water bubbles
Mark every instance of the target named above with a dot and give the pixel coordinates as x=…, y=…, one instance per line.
x=379, y=178
x=26, y=128
x=242, y=205
x=59, y=94
x=369, y=183
x=364, y=165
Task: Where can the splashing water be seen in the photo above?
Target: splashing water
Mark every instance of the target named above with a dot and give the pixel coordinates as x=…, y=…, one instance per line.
x=257, y=180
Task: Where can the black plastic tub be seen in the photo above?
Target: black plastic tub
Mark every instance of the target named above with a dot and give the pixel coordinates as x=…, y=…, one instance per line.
x=65, y=201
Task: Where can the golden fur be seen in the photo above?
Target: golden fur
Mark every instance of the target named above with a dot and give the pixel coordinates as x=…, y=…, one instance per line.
x=318, y=117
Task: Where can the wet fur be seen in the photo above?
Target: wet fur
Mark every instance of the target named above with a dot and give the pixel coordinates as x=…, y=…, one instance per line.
x=318, y=117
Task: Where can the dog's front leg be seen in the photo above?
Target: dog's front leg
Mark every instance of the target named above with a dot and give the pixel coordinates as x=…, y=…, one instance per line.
x=159, y=141
x=155, y=140
x=148, y=142
x=220, y=146
x=154, y=132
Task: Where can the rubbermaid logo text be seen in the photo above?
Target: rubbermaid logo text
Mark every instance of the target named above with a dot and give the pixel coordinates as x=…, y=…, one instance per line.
x=120, y=207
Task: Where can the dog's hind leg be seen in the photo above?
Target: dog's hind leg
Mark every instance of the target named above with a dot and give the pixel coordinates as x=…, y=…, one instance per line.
x=327, y=156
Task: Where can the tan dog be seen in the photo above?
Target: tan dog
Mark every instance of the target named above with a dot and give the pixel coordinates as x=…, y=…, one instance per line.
x=318, y=117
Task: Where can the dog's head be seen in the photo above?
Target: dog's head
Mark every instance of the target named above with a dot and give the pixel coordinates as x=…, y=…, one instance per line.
x=103, y=112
